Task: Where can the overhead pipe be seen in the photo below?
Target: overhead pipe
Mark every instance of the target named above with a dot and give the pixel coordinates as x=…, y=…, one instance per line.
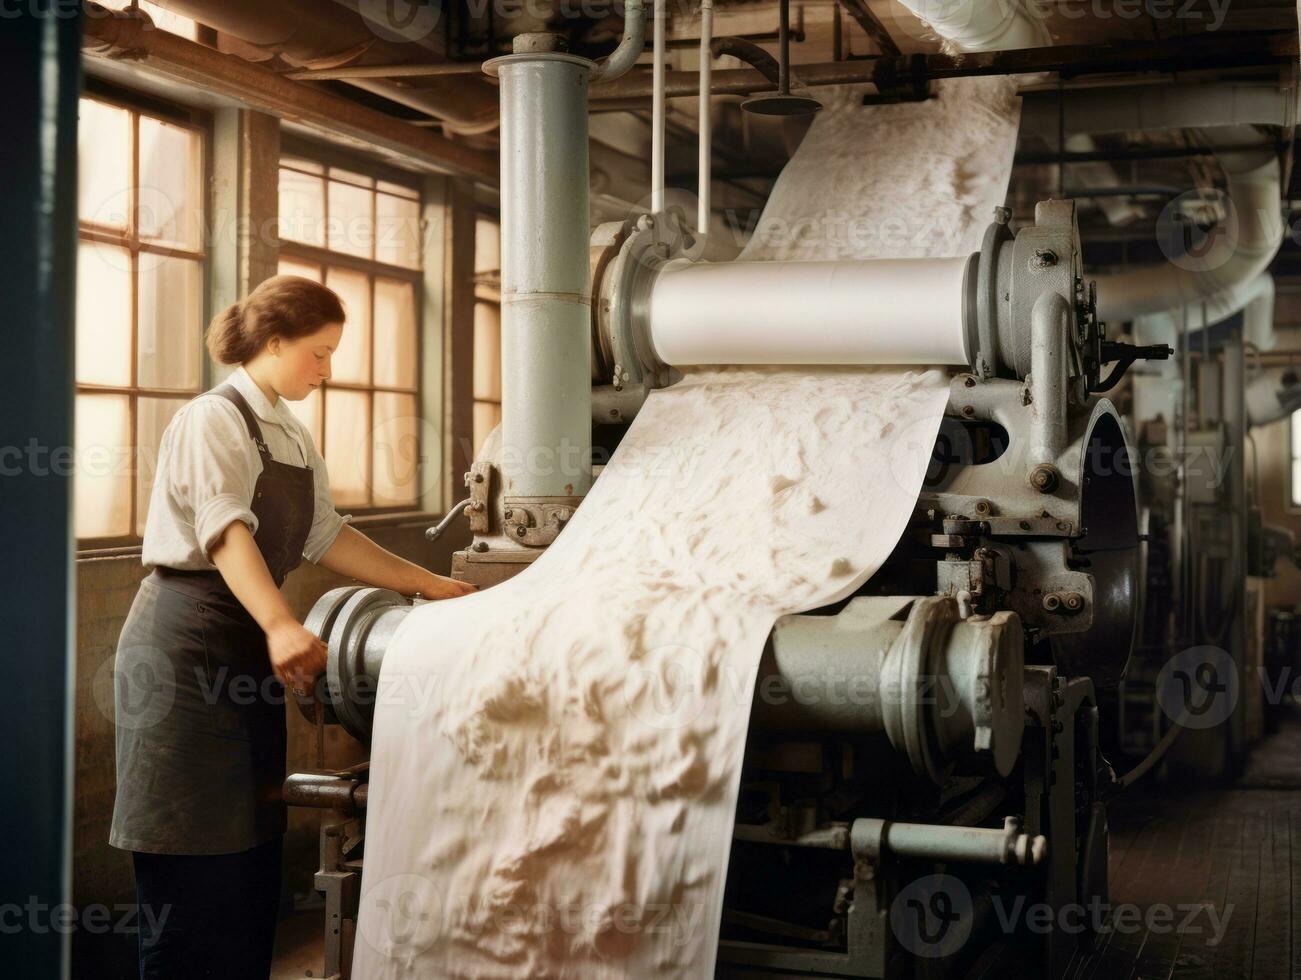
x=657, y=113
x=1226, y=280
x=1147, y=108
x=982, y=25
x=1176, y=54
x=301, y=31
x=631, y=44
x=1220, y=277
x=748, y=52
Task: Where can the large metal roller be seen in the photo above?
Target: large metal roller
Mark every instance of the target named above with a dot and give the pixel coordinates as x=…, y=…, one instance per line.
x=939, y=687
x=356, y=624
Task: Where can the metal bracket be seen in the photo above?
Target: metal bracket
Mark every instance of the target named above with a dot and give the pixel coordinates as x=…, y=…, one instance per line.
x=479, y=479
x=537, y=521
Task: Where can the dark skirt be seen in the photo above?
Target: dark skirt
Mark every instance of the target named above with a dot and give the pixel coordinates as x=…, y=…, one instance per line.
x=200, y=723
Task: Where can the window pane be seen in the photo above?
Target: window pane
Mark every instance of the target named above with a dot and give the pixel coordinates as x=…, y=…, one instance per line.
x=295, y=267
x=395, y=469
x=352, y=226
x=487, y=415
x=395, y=334
x=170, y=197
x=397, y=231
x=302, y=208
x=351, y=362
x=487, y=351
x=347, y=448
x=103, y=314
x=171, y=322
x=152, y=418
x=102, y=483
x=487, y=246
x=308, y=411
x=103, y=164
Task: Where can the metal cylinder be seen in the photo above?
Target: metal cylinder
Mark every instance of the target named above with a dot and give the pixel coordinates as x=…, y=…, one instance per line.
x=356, y=625
x=940, y=688
x=545, y=289
x=872, y=838
x=882, y=311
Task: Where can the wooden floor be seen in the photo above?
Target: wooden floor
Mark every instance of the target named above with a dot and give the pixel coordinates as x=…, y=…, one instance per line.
x=1228, y=865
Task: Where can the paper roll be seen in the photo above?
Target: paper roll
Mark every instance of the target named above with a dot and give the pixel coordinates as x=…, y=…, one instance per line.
x=884, y=311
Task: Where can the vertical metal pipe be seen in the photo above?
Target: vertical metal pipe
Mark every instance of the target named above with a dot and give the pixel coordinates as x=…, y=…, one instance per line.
x=545, y=287
x=784, y=37
x=706, y=117
x=1049, y=321
x=657, y=112
x=1233, y=413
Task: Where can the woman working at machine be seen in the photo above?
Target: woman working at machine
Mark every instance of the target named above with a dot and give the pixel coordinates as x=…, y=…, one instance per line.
x=241, y=496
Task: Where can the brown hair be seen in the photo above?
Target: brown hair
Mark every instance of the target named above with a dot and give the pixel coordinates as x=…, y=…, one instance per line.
x=282, y=306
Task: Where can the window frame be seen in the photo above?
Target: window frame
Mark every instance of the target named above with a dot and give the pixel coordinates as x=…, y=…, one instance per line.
x=199, y=122
x=323, y=258
x=487, y=290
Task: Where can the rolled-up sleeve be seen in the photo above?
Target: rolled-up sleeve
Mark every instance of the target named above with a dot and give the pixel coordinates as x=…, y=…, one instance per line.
x=326, y=521
x=209, y=469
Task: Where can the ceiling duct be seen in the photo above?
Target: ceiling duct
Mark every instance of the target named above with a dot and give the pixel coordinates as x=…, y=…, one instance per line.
x=311, y=33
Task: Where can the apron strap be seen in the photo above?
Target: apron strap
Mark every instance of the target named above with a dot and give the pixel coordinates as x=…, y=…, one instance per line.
x=232, y=395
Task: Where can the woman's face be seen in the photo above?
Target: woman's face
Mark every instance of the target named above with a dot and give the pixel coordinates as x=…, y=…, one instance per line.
x=300, y=364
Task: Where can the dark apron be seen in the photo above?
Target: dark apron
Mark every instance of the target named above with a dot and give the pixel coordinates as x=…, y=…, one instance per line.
x=200, y=714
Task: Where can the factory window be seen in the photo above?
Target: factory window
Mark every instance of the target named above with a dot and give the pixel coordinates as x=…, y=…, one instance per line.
x=139, y=304
x=487, y=328
x=360, y=234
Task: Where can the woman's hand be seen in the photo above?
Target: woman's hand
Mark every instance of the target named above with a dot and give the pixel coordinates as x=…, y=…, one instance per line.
x=442, y=587
x=356, y=556
x=297, y=656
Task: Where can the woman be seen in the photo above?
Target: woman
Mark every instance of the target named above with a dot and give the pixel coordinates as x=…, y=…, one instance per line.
x=241, y=496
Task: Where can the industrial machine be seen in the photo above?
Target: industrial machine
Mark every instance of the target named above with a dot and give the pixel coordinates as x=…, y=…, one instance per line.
x=876, y=832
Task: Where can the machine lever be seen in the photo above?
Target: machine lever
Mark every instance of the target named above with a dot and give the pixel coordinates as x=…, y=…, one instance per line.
x=436, y=532
x=1124, y=355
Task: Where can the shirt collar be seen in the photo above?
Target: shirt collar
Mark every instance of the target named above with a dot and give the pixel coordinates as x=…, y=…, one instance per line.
x=257, y=401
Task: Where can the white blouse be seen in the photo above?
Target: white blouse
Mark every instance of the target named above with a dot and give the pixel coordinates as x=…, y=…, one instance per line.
x=207, y=467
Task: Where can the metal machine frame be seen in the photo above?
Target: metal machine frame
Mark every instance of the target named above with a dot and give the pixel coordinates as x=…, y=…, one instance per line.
x=1016, y=580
